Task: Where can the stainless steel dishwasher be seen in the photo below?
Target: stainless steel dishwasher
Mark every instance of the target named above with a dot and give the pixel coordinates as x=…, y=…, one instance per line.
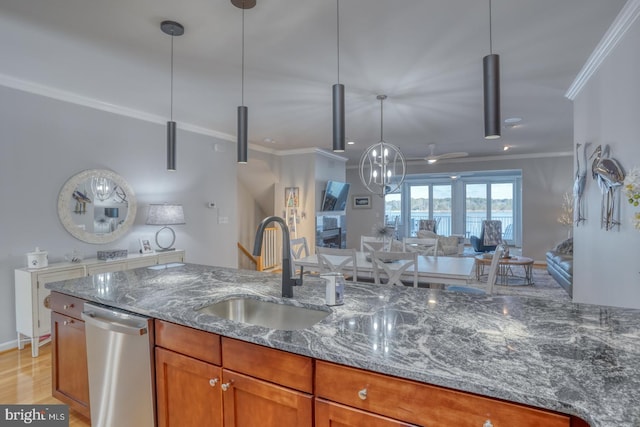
x=120, y=362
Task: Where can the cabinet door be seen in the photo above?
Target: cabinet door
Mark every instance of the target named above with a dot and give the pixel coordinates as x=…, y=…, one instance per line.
x=187, y=391
x=249, y=402
x=70, y=382
x=329, y=414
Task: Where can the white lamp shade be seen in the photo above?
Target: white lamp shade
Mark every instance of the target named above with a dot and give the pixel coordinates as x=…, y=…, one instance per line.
x=165, y=214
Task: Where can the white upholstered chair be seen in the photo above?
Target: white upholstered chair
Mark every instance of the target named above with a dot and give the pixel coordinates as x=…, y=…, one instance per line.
x=387, y=264
x=338, y=260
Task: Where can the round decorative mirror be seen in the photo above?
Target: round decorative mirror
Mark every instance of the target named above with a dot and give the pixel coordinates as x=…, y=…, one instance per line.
x=97, y=206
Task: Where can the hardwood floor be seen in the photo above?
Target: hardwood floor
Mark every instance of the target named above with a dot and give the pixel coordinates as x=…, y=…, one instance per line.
x=26, y=380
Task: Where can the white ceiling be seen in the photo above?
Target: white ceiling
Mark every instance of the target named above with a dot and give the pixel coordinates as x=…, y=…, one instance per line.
x=426, y=55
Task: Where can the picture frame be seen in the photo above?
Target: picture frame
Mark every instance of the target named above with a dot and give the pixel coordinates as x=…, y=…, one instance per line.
x=292, y=197
x=361, y=202
x=145, y=245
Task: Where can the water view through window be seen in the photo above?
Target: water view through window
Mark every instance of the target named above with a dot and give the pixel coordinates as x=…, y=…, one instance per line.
x=458, y=205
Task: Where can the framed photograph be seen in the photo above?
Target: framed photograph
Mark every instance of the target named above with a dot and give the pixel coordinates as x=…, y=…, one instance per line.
x=361, y=202
x=145, y=246
x=292, y=197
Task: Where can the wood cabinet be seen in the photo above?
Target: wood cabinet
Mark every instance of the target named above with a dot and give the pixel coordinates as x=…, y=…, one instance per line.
x=254, y=386
x=330, y=414
x=266, y=387
x=70, y=380
x=423, y=404
x=33, y=317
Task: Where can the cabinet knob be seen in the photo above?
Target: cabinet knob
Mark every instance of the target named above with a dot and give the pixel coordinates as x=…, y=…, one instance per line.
x=487, y=423
x=362, y=394
x=213, y=382
x=226, y=386
x=67, y=322
x=67, y=306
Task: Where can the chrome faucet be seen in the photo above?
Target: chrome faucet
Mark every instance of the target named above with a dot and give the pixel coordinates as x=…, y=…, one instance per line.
x=288, y=279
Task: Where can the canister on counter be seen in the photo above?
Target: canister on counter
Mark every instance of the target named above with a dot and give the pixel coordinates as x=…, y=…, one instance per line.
x=335, y=288
x=37, y=259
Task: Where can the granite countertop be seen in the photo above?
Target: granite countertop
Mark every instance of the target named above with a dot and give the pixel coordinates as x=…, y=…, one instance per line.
x=578, y=359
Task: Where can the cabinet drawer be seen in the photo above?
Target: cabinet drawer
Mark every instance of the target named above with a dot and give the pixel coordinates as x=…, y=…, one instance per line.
x=145, y=261
x=424, y=404
x=191, y=342
x=171, y=256
x=66, y=304
x=287, y=369
x=59, y=275
x=106, y=267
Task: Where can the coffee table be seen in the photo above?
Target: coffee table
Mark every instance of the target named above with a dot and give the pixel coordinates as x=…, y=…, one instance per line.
x=505, y=271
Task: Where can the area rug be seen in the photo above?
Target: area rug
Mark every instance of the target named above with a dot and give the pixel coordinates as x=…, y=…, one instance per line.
x=544, y=286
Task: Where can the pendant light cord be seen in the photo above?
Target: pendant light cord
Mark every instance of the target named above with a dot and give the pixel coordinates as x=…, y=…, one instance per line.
x=490, y=31
x=172, y=36
x=338, y=35
x=242, y=74
x=381, y=101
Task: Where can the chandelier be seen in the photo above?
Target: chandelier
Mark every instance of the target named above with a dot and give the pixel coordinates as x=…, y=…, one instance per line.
x=102, y=187
x=382, y=166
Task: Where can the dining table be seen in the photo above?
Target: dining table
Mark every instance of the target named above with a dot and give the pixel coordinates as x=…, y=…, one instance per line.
x=448, y=270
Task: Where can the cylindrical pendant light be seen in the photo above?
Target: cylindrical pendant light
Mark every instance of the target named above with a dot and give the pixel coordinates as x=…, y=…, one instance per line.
x=338, y=118
x=491, y=81
x=173, y=29
x=338, y=98
x=242, y=134
x=171, y=146
x=243, y=111
x=491, y=74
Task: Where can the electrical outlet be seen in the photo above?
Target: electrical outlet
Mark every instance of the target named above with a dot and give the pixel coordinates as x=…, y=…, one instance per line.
x=223, y=220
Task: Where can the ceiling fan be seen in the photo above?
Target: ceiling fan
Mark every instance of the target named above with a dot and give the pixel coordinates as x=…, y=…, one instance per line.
x=432, y=157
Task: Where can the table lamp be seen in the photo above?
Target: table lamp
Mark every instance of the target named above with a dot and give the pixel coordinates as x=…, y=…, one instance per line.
x=165, y=214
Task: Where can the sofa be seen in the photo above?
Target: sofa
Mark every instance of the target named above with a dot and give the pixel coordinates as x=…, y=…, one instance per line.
x=560, y=264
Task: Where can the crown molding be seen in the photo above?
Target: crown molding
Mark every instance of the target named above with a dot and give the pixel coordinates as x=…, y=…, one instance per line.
x=74, y=98
x=421, y=161
x=609, y=41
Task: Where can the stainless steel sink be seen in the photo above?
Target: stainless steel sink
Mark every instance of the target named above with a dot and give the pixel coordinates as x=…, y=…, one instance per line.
x=266, y=313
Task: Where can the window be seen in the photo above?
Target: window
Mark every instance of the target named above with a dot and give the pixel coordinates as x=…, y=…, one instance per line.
x=459, y=204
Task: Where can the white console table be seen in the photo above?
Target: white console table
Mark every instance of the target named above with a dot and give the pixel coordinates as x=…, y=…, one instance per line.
x=33, y=317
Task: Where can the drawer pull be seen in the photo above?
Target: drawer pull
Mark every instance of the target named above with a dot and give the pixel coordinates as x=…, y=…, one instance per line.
x=226, y=386
x=487, y=423
x=362, y=394
x=67, y=322
x=213, y=382
x=67, y=306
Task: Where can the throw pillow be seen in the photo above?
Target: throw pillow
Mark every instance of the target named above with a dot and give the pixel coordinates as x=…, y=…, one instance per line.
x=565, y=247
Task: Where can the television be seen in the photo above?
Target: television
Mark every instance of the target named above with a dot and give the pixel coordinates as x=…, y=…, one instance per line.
x=335, y=197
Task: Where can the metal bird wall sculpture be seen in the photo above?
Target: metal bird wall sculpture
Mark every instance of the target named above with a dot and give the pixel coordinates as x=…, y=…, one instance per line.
x=579, y=185
x=610, y=177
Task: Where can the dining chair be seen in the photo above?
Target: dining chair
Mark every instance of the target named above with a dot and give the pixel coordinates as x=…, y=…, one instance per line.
x=299, y=248
x=372, y=243
x=422, y=245
x=491, y=279
x=347, y=261
x=386, y=263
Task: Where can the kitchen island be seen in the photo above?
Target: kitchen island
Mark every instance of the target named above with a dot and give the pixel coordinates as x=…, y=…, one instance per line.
x=582, y=360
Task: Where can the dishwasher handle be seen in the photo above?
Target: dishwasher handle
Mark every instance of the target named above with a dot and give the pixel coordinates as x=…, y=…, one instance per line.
x=113, y=325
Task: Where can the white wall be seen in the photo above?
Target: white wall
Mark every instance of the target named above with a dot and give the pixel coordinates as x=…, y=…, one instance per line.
x=607, y=263
x=46, y=141
x=544, y=181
